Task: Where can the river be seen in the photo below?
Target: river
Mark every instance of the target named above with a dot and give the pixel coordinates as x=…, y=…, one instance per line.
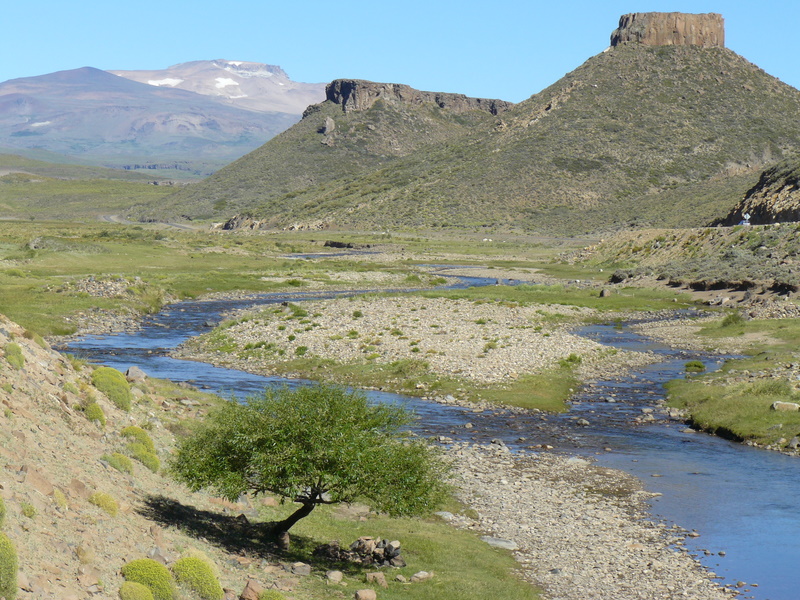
x=744, y=502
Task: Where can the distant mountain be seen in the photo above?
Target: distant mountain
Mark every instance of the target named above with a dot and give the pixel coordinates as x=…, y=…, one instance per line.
x=666, y=134
x=249, y=85
x=109, y=120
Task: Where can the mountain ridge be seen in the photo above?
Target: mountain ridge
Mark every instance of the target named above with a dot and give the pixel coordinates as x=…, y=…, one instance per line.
x=602, y=142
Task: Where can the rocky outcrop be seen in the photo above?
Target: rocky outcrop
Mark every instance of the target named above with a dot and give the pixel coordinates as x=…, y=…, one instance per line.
x=670, y=29
x=358, y=94
x=774, y=199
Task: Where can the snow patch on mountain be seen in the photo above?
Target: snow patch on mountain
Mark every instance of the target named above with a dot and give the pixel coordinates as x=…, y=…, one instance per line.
x=225, y=82
x=171, y=82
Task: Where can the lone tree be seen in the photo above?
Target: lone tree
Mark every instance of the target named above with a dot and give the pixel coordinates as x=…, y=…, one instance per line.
x=314, y=445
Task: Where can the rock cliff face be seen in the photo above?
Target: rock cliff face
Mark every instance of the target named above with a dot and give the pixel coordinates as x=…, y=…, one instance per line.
x=774, y=199
x=358, y=94
x=670, y=29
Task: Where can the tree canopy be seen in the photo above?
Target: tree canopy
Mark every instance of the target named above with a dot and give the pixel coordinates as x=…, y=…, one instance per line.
x=313, y=445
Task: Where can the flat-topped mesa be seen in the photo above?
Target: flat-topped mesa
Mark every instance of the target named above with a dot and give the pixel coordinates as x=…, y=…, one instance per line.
x=670, y=29
x=358, y=94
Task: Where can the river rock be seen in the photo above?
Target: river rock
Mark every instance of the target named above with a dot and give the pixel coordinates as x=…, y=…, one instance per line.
x=785, y=406
x=499, y=542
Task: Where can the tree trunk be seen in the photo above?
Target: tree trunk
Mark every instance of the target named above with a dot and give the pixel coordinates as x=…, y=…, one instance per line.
x=289, y=521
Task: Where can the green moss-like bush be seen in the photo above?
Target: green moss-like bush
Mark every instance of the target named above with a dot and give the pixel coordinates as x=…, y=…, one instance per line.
x=153, y=575
x=8, y=568
x=271, y=595
x=119, y=461
x=694, y=366
x=139, y=435
x=28, y=510
x=197, y=575
x=93, y=412
x=14, y=355
x=105, y=502
x=132, y=590
x=114, y=385
x=140, y=452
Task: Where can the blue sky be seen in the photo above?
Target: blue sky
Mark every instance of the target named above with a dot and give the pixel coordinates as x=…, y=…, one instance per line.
x=507, y=50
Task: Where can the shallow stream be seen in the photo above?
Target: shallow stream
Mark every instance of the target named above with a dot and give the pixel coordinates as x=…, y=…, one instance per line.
x=744, y=502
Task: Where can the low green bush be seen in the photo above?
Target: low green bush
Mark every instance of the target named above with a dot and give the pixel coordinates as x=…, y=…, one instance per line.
x=119, y=461
x=271, y=595
x=8, y=568
x=105, y=502
x=114, y=385
x=139, y=435
x=93, y=412
x=131, y=590
x=14, y=355
x=28, y=510
x=197, y=575
x=140, y=452
x=153, y=575
x=694, y=366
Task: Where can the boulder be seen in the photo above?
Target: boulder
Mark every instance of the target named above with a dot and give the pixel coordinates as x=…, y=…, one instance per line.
x=135, y=374
x=365, y=595
x=785, y=406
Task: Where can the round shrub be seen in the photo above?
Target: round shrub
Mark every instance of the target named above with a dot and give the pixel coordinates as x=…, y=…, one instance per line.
x=93, y=412
x=114, y=385
x=139, y=435
x=197, y=575
x=106, y=502
x=119, y=461
x=153, y=575
x=143, y=455
x=8, y=568
x=132, y=590
x=271, y=595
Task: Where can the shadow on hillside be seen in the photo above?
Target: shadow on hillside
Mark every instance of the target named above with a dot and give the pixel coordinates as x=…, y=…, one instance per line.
x=234, y=534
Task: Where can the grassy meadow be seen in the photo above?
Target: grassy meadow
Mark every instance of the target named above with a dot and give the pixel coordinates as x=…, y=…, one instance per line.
x=735, y=401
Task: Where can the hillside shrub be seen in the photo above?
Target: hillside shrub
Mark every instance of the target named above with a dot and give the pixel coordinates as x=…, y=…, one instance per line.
x=139, y=435
x=8, y=568
x=106, y=502
x=93, y=412
x=131, y=590
x=140, y=452
x=14, y=355
x=119, y=461
x=28, y=510
x=153, y=575
x=114, y=385
x=60, y=499
x=271, y=595
x=197, y=575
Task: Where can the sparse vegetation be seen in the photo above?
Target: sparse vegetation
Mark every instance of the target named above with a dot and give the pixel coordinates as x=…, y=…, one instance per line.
x=13, y=353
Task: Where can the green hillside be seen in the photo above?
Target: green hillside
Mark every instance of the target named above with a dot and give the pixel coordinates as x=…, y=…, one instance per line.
x=599, y=149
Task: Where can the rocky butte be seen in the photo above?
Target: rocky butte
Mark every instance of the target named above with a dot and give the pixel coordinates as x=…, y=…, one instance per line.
x=670, y=29
x=358, y=95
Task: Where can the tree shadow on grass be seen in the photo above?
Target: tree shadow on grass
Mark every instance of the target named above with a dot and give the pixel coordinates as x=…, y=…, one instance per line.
x=234, y=534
